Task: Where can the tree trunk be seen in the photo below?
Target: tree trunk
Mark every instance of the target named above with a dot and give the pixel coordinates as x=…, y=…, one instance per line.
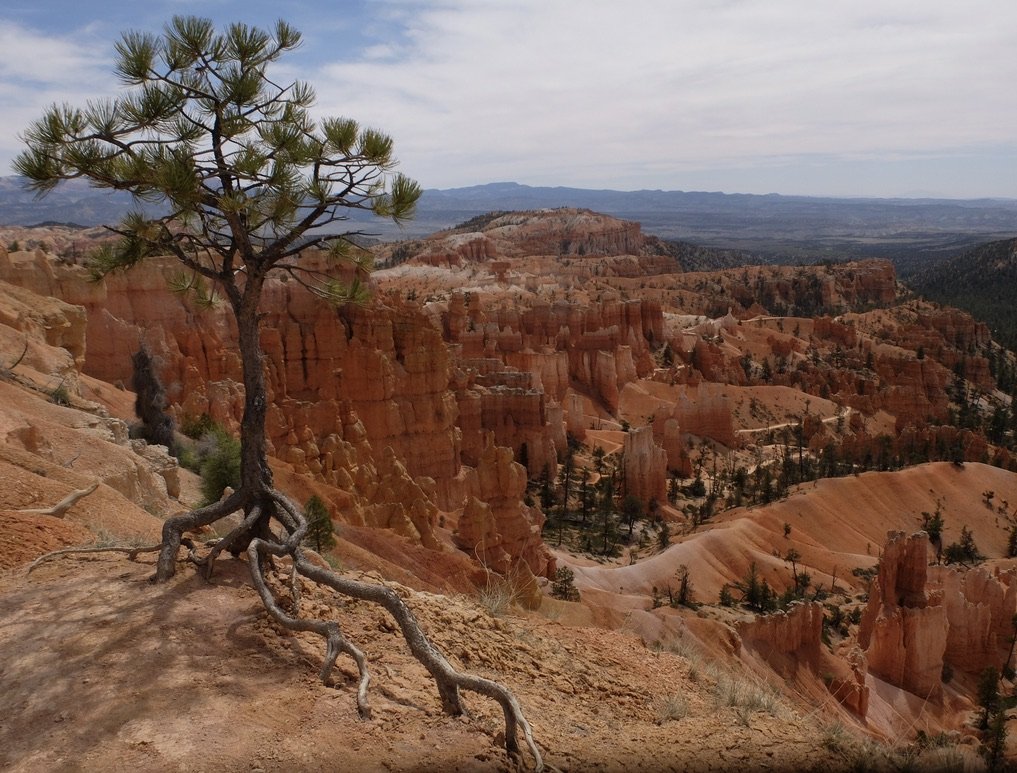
x=255, y=474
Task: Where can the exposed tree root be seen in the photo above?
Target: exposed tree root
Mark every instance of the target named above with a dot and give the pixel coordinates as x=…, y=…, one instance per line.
x=174, y=528
x=59, y=510
x=132, y=552
x=262, y=546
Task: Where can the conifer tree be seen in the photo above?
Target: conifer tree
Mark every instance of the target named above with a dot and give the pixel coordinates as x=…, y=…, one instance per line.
x=246, y=182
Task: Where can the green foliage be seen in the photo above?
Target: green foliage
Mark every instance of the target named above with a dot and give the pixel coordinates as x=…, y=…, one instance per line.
x=981, y=282
x=60, y=394
x=664, y=536
x=757, y=594
x=230, y=150
x=932, y=523
x=564, y=586
x=320, y=532
x=547, y=498
x=697, y=488
x=197, y=427
x=993, y=719
x=219, y=454
x=964, y=551
x=632, y=510
x=835, y=620
x=684, y=595
x=726, y=597
x=988, y=694
x=994, y=746
x=479, y=222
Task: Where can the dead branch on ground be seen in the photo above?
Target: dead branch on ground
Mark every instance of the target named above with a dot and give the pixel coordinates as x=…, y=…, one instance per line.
x=60, y=508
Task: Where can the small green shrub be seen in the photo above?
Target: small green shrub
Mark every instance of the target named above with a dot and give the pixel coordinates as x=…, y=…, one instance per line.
x=60, y=395
x=726, y=597
x=197, y=427
x=188, y=459
x=964, y=550
x=320, y=532
x=220, y=465
x=564, y=585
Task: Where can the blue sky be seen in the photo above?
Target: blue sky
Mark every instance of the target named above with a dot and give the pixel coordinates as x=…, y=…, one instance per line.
x=860, y=98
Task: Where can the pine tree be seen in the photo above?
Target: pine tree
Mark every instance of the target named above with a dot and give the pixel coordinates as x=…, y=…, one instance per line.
x=320, y=532
x=249, y=187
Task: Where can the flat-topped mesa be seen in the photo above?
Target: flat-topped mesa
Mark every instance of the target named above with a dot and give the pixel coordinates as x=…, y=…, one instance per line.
x=565, y=232
x=574, y=232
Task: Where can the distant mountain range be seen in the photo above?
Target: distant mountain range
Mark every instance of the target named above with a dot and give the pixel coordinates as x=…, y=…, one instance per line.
x=913, y=232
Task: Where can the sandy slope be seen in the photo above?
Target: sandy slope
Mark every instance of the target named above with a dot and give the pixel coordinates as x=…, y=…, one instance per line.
x=837, y=524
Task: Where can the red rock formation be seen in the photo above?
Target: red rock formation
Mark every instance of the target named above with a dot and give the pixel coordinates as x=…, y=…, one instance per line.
x=43, y=320
x=787, y=639
x=791, y=640
x=575, y=417
x=495, y=525
x=919, y=618
x=979, y=608
x=846, y=681
x=600, y=346
x=645, y=466
x=904, y=628
x=706, y=413
x=668, y=433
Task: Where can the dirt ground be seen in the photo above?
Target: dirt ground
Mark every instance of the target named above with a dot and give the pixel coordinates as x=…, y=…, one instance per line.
x=101, y=670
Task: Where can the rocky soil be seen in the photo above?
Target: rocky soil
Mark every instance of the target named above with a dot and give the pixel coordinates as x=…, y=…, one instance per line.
x=102, y=671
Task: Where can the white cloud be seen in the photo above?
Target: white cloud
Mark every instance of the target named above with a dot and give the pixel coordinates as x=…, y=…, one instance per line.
x=37, y=70
x=32, y=57
x=559, y=92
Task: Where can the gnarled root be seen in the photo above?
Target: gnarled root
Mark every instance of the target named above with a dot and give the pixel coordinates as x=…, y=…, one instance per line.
x=174, y=528
x=132, y=553
x=263, y=546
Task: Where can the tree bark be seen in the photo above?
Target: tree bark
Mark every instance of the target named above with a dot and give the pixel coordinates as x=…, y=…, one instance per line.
x=255, y=474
